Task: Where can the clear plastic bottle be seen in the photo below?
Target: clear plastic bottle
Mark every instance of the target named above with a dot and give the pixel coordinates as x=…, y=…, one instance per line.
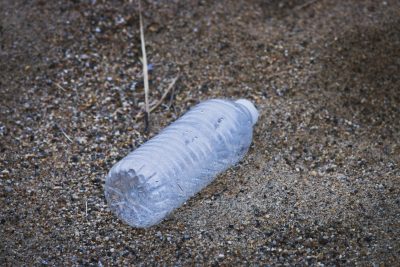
x=159, y=176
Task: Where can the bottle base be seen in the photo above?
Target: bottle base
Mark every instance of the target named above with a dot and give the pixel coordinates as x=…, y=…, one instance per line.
x=122, y=192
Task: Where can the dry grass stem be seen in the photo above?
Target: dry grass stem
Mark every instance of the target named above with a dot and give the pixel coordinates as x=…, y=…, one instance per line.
x=156, y=105
x=171, y=85
x=145, y=70
x=64, y=133
x=60, y=87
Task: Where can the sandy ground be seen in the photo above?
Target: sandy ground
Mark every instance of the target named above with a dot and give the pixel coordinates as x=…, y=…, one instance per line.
x=320, y=184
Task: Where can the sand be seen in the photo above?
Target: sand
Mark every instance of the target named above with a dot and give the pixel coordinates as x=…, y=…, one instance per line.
x=319, y=186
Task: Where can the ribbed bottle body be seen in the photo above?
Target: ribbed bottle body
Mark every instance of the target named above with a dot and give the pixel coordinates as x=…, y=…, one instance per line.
x=167, y=170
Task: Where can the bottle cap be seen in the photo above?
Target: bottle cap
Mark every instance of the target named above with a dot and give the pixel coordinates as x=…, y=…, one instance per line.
x=250, y=107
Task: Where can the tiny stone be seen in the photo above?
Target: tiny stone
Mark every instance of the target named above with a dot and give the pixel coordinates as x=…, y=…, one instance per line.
x=8, y=189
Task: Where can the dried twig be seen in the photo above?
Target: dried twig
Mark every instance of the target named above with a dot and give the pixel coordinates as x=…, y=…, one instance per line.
x=170, y=87
x=145, y=70
x=59, y=86
x=63, y=132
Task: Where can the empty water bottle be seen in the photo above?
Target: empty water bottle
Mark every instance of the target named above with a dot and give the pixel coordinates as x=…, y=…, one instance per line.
x=159, y=176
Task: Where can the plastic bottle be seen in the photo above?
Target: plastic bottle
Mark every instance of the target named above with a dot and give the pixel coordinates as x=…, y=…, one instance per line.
x=159, y=176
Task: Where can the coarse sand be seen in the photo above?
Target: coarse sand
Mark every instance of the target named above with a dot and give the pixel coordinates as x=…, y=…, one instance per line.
x=320, y=184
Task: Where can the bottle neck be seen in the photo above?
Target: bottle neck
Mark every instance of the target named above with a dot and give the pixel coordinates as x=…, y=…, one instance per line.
x=250, y=107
